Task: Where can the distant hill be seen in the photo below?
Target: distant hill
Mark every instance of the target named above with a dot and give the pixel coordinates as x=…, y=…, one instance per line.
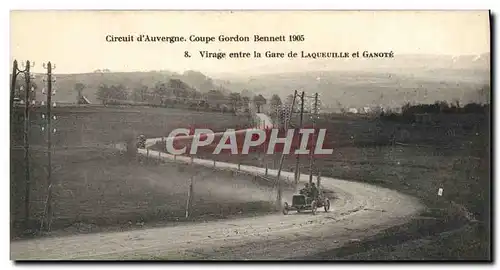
x=358, y=88
x=404, y=64
x=388, y=82
x=65, y=83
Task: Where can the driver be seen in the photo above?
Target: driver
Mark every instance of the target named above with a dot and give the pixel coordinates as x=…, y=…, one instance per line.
x=305, y=190
x=314, y=191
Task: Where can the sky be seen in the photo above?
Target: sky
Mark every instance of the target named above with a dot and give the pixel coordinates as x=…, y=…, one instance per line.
x=76, y=40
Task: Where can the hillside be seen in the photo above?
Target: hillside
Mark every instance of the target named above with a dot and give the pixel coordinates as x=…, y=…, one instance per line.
x=386, y=82
x=131, y=80
x=360, y=88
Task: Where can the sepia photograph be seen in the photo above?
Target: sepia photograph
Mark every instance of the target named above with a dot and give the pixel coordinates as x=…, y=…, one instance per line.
x=219, y=135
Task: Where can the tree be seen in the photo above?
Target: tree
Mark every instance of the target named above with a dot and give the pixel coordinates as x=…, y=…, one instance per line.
x=107, y=93
x=178, y=88
x=289, y=99
x=79, y=91
x=236, y=101
x=246, y=104
x=275, y=103
x=215, y=98
x=194, y=94
x=259, y=101
x=245, y=101
x=140, y=94
x=161, y=91
x=119, y=92
x=103, y=93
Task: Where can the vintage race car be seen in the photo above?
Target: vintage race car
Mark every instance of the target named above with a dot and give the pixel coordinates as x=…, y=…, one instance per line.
x=302, y=202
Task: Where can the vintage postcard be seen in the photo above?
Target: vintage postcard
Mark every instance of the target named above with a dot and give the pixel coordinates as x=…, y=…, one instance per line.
x=250, y=135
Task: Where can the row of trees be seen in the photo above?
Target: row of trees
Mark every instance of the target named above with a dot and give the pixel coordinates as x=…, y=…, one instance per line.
x=176, y=93
x=442, y=107
x=409, y=112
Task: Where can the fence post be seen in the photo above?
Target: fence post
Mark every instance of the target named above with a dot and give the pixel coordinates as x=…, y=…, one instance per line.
x=175, y=157
x=214, y=163
x=266, y=168
x=239, y=166
x=189, y=197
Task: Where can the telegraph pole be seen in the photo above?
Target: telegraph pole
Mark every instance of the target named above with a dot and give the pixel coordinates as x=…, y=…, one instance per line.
x=282, y=158
x=15, y=71
x=50, y=92
x=314, y=115
x=27, y=124
x=12, y=118
x=297, y=161
x=26, y=140
x=49, y=144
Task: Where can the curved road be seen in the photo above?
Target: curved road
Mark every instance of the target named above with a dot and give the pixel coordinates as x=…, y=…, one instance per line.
x=359, y=211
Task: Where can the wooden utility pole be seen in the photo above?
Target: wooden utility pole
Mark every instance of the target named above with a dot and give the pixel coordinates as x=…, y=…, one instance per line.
x=314, y=115
x=12, y=121
x=282, y=158
x=48, y=203
x=297, y=161
x=12, y=95
x=27, y=125
x=49, y=144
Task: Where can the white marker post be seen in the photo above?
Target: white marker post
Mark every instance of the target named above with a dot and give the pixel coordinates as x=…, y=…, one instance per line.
x=440, y=192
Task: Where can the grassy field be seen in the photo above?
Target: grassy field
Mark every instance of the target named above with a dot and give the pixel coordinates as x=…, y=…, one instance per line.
x=93, y=125
x=91, y=180
x=99, y=190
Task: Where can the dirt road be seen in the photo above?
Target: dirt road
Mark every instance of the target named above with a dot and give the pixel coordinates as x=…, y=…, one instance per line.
x=359, y=211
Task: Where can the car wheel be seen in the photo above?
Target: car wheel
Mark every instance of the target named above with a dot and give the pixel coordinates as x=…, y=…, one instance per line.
x=285, y=209
x=327, y=205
